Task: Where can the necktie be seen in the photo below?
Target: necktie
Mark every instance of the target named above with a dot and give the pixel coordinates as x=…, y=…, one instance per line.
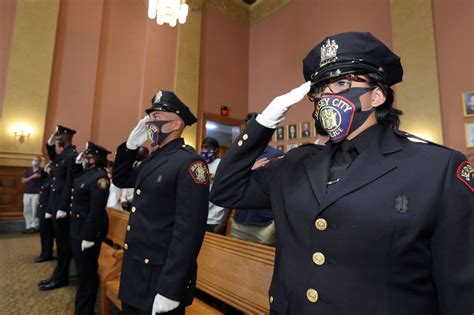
x=342, y=159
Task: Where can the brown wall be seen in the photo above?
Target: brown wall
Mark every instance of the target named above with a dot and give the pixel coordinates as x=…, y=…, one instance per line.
x=454, y=33
x=279, y=43
x=109, y=62
x=224, y=64
x=7, y=22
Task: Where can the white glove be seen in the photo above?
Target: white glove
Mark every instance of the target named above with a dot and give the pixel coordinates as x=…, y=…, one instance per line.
x=79, y=158
x=48, y=215
x=61, y=214
x=276, y=110
x=138, y=135
x=163, y=305
x=86, y=244
x=51, y=140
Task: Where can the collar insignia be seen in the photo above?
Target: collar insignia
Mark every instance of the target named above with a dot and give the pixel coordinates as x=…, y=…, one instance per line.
x=328, y=52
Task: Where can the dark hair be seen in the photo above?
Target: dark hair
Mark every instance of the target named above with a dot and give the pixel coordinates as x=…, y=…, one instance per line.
x=250, y=116
x=211, y=142
x=386, y=114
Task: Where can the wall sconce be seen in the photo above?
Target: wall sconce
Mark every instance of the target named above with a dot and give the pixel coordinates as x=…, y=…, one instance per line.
x=21, y=133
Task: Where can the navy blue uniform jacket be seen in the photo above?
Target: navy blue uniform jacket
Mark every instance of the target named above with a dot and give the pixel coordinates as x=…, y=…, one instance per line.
x=166, y=225
x=64, y=169
x=396, y=236
x=88, y=202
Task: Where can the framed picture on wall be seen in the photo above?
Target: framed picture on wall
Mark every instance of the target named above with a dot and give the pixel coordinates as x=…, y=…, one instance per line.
x=305, y=130
x=292, y=131
x=468, y=103
x=280, y=133
x=469, y=127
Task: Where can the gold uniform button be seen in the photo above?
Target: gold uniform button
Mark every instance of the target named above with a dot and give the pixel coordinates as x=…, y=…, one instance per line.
x=139, y=192
x=271, y=299
x=318, y=258
x=128, y=227
x=147, y=260
x=77, y=216
x=125, y=246
x=245, y=136
x=72, y=189
x=321, y=224
x=72, y=197
x=312, y=295
x=70, y=205
x=134, y=209
x=240, y=143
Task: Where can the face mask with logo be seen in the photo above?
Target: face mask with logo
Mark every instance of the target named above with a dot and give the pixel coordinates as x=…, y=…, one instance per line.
x=208, y=155
x=340, y=114
x=34, y=163
x=86, y=163
x=154, y=133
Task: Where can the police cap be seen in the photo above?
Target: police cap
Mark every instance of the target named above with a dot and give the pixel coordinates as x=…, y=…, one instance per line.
x=61, y=130
x=97, y=150
x=167, y=101
x=352, y=52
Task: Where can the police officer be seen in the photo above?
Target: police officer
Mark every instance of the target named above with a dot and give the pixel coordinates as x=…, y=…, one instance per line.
x=371, y=223
x=46, y=226
x=89, y=223
x=63, y=155
x=168, y=213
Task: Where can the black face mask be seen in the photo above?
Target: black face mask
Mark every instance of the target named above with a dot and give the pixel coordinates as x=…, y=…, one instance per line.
x=86, y=163
x=338, y=115
x=154, y=133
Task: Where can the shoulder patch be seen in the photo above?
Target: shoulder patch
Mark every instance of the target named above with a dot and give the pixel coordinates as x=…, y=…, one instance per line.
x=199, y=172
x=103, y=183
x=465, y=174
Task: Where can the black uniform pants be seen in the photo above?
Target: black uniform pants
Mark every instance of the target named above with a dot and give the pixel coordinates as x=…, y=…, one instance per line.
x=63, y=243
x=130, y=310
x=46, y=235
x=86, y=265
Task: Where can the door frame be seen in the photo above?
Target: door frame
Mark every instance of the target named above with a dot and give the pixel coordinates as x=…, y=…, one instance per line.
x=204, y=116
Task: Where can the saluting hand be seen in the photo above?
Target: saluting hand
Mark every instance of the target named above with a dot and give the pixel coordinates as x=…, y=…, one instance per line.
x=162, y=304
x=79, y=158
x=276, y=110
x=138, y=135
x=51, y=139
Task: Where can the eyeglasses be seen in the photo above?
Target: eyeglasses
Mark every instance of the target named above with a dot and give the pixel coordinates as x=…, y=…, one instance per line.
x=336, y=86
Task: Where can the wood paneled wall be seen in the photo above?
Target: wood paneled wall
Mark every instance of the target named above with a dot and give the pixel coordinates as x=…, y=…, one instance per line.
x=11, y=192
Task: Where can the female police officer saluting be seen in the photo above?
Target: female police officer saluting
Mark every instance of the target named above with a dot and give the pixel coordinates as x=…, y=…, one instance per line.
x=89, y=223
x=370, y=223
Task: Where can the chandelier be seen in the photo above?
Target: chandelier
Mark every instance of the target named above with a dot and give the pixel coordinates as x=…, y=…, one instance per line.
x=168, y=11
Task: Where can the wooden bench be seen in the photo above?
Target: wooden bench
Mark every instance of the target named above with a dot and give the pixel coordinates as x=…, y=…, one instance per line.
x=235, y=272
x=110, y=259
